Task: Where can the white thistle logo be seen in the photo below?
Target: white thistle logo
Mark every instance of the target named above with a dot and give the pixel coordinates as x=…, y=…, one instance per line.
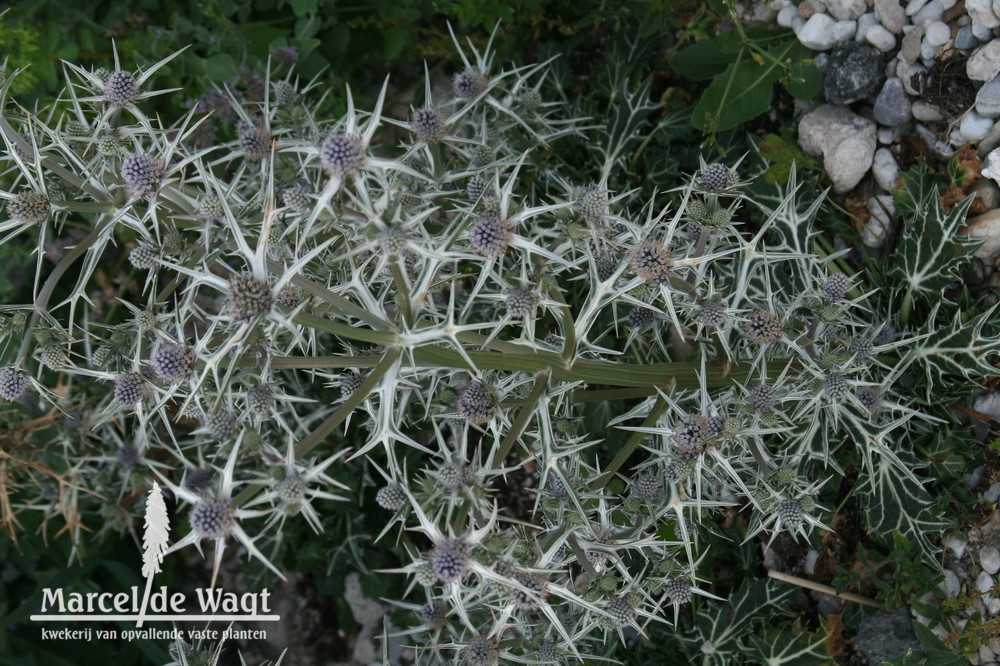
x=154, y=542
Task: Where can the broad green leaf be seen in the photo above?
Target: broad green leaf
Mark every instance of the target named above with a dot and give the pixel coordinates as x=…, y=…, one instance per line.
x=783, y=152
x=701, y=61
x=219, y=67
x=304, y=7
x=743, y=91
x=805, y=80
x=918, y=186
x=393, y=41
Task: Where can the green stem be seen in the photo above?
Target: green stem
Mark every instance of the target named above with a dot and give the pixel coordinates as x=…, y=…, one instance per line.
x=633, y=442
x=523, y=416
x=42, y=301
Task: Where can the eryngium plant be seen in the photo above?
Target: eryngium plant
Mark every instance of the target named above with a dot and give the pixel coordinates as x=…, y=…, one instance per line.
x=470, y=295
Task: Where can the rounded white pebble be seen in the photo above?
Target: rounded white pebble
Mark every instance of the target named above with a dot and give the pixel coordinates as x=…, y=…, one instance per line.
x=817, y=32
x=973, y=128
x=885, y=169
x=989, y=559
x=981, y=32
x=880, y=38
x=951, y=585
x=865, y=21
x=928, y=52
x=937, y=33
x=955, y=545
x=888, y=135
x=984, y=583
x=843, y=30
x=787, y=16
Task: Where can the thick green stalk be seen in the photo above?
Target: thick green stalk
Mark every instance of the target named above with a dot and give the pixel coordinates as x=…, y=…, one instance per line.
x=641, y=379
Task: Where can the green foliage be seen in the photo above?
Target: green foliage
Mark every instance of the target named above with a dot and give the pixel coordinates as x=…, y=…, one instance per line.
x=21, y=46
x=743, y=66
x=898, y=576
x=783, y=153
x=730, y=634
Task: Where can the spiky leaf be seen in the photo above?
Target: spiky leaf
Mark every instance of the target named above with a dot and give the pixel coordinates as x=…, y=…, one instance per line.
x=931, y=250
x=720, y=629
x=896, y=503
x=958, y=349
x=789, y=645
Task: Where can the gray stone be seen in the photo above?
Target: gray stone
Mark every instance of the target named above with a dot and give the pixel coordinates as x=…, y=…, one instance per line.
x=891, y=15
x=845, y=140
x=984, y=582
x=817, y=33
x=965, y=40
x=892, y=106
x=887, y=136
x=885, y=636
x=955, y=545
x=855, y=72
x=987, y=193
x=880, y=38
x=984, y=63
x=828, y=605
x=985, y=227
x=988, y=99
x=989, y=559
x=865, y=21
x=910, y=49
x=885, y=169
x=981, y=32
x=914, y=6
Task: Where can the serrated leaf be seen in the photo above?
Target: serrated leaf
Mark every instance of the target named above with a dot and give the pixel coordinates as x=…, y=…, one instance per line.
x=935, y=652
x=931, y=252
x=958, y=349
x=918, y=185
x=719, y=629
x=896, y=503
x=783, y=153
x=789, y=645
